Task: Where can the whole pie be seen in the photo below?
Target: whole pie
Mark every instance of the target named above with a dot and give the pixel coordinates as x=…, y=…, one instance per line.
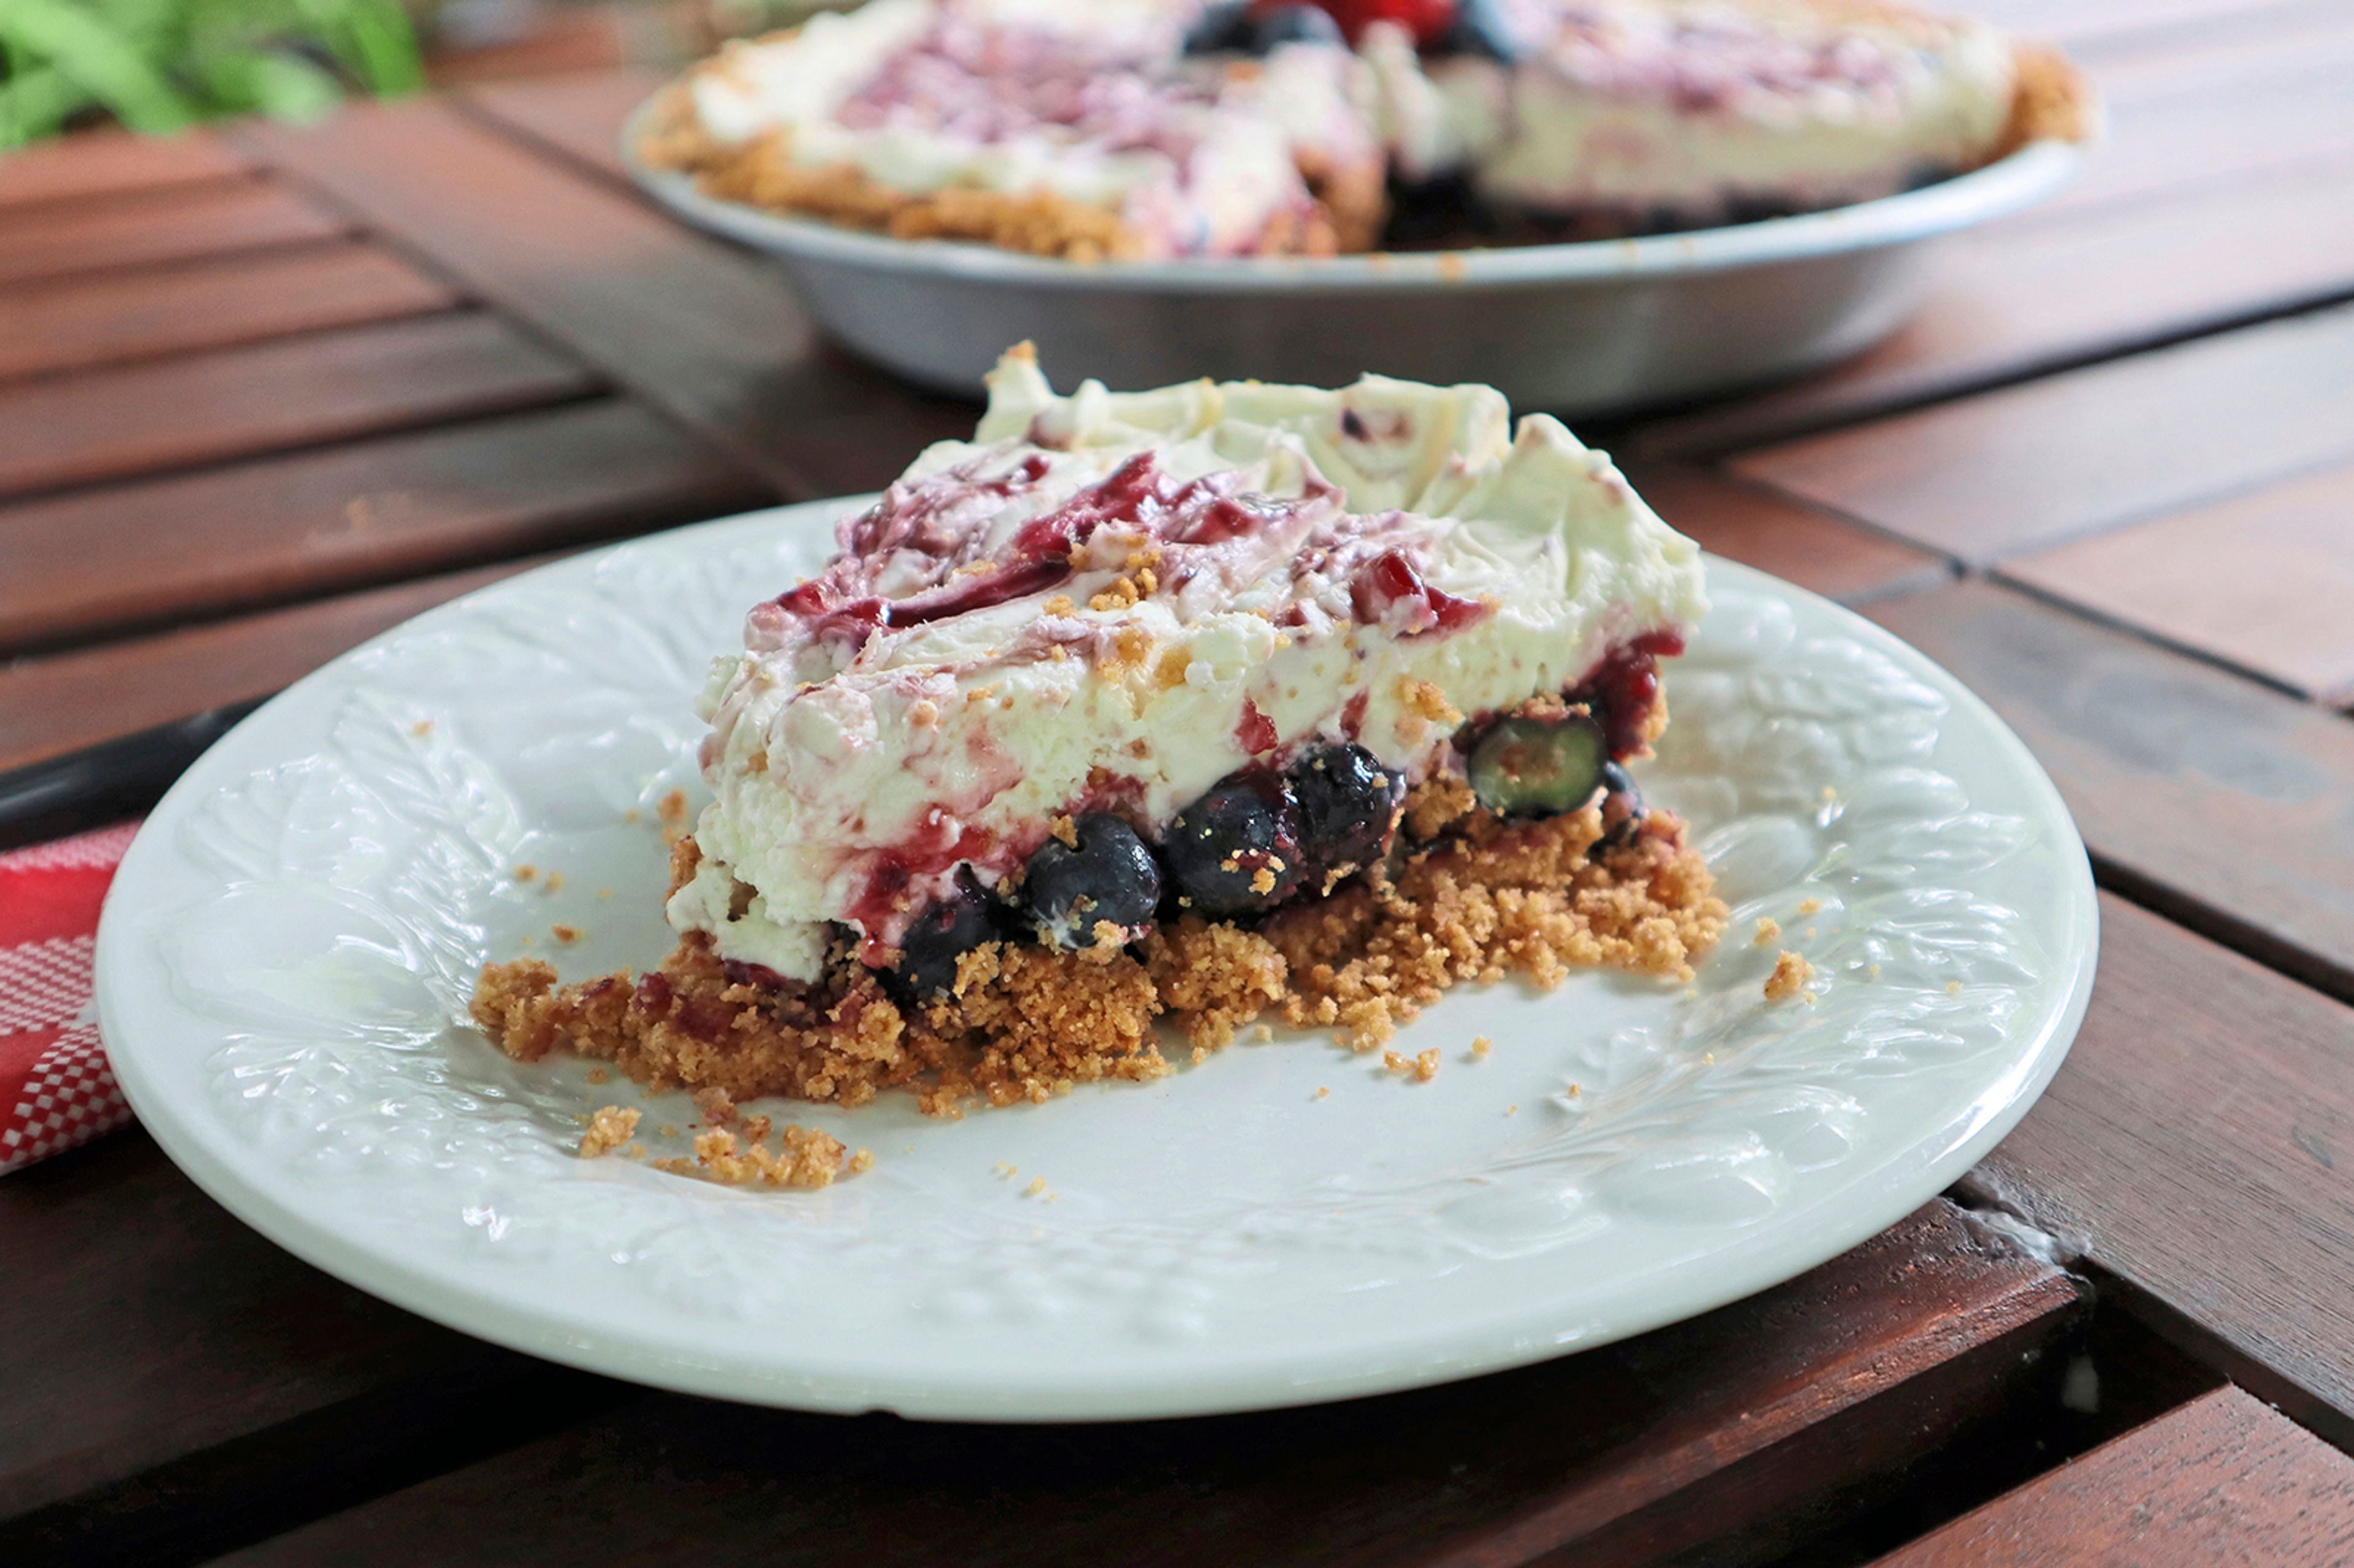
x=1192, y=705
x=1092, y=129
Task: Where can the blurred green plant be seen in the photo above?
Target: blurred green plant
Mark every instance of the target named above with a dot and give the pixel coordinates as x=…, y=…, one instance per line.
x=159, y=65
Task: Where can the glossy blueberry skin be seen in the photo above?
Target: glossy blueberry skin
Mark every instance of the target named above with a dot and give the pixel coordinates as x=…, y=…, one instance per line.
x=1218, y=848
x=1109, y=874
x=1348, y=808
x=1622, y=797
x=943, y=933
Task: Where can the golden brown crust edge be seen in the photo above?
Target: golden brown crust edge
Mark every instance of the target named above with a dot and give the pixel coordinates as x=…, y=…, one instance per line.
x=2051, y=100
x=1351, y=202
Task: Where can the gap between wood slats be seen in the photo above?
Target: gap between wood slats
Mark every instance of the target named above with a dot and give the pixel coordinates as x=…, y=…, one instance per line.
x=2220, y=1480
x=183, y=223
x=2198, y=1143
x=2013, y=303
x=1912, y=1341
x=2263, y=582
x=110, y=163
x=693, y=325
x=2066, y=457
x=262, y=532
x=124, y=422
x=577, y=118
x=221, y=302
x=2221, y=802
x=176, y=1383
x=56, y=705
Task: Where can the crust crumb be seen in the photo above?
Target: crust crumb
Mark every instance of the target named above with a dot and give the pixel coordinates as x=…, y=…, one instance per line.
x=1467, y=895
x=671, y=812
x=1791, y=972
x=609, y=1129
x=1768, y=930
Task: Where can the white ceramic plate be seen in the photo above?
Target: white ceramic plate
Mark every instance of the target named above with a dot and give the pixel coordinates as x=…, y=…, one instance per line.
x=287, y=953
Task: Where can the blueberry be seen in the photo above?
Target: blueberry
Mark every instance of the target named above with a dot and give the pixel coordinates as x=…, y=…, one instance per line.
x=1236, y=850
x=1294, y=25
x=1348, y=808
x=1224, y=27
x=1479, y=28
x=947, y=930
x=1622, y=809
x=1109, y=874
x=1538, y=767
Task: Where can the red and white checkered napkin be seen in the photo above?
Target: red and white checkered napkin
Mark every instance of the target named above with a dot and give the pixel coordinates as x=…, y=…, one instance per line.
x=56, y=1088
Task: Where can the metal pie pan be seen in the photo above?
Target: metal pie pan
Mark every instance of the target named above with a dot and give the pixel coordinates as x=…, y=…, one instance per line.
x=1573, y=328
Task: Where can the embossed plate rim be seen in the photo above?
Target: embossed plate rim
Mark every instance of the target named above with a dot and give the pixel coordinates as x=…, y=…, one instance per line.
x=524, y=1300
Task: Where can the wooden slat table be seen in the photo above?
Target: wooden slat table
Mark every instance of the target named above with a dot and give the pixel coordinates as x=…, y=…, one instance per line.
x=266, y=391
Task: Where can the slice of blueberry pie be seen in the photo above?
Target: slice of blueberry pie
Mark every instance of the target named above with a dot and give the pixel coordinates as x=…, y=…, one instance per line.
x=1201, y=703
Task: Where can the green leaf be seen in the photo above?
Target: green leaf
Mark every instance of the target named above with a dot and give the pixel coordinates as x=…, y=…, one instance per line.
x=284, y=87
x=35, y=104
x=80, y=48
x=386, y=41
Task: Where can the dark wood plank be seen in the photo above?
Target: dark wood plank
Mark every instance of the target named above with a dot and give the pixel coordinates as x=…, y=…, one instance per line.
x=77, y=323
x=2223, y=801
x=2264, y=580
x=559, y=40
x=177, y=1384
x=108, y=163
x=2023, y=298
x=176, y=224
x=2093, y=24
x=696, y=327
x=135, y=419
x=2008, y=471
x=2199, y=1144
x=259, y=533
x=1797, y=544
x=578, y=115
x=61, y=704
x=2222, y=1480
x=1629, y=1452
x=2274, y=96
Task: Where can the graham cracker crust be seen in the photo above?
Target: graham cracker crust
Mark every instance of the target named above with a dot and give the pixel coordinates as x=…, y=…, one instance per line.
x=1351, y=201
x=2052, y=101
x=1474, y=897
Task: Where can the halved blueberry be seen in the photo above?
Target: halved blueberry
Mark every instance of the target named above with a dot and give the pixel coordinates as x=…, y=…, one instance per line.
x=945, y=931
x=1349, y=806
x=1622, y=807
x=1109, y=874
x=1236, y=850
x=1538, y=767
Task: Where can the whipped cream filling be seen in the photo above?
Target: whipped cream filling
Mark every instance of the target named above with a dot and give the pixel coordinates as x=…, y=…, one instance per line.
x=1682, y=106
x=1111, y=602
x=1087, y=100
x=1686, y=105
